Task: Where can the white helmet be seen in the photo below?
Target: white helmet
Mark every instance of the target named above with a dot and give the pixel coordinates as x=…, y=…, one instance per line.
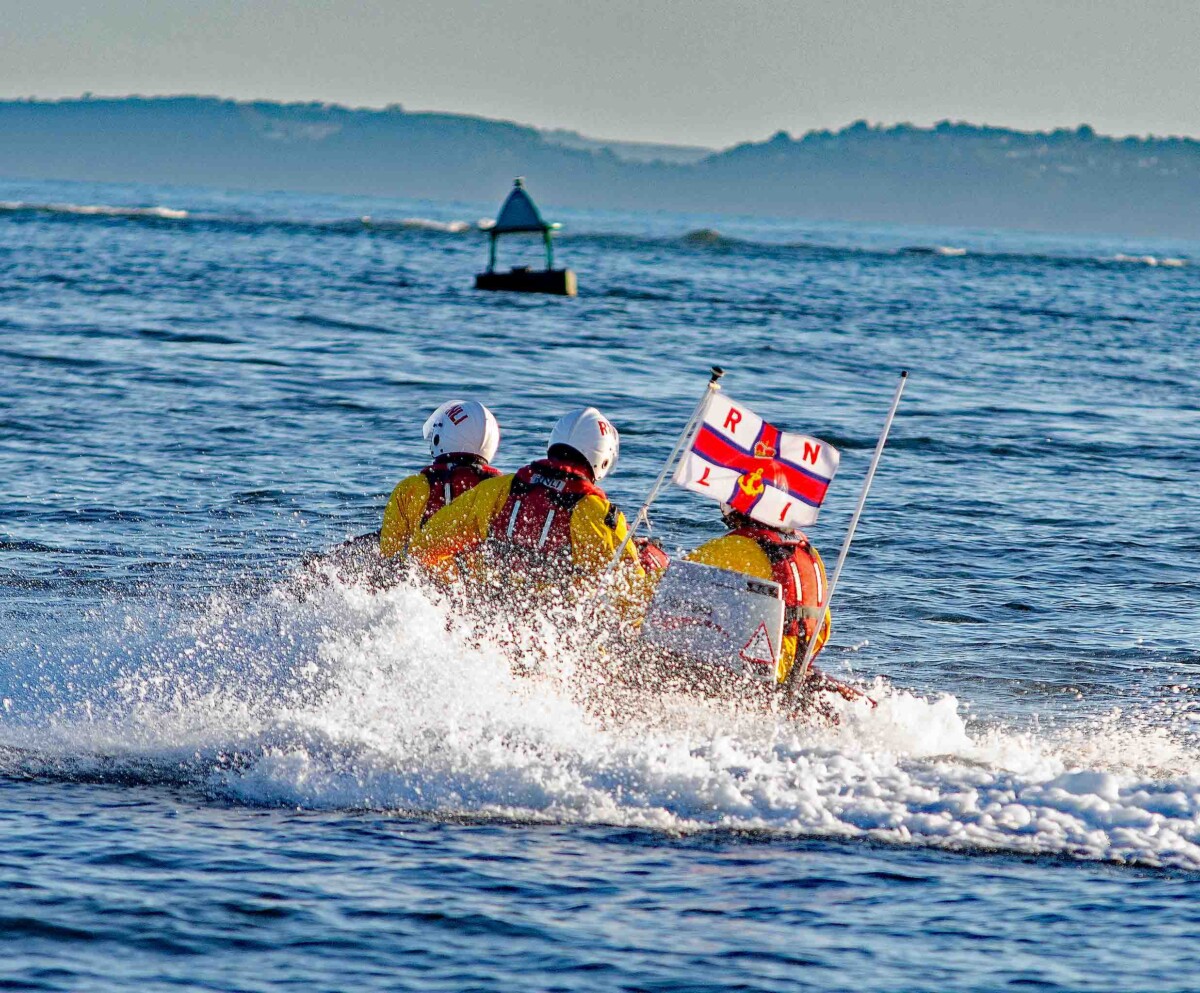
x=462, y=427
x=592, y=435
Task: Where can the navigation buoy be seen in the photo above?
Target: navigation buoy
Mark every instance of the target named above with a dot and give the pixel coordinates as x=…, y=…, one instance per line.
x=519, y=215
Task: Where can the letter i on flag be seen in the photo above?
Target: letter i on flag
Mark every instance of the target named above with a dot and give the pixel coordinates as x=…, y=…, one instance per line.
x=773, y=476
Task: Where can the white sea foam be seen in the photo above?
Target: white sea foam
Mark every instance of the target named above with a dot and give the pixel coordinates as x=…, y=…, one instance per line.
x=1166, y=261
x=96, y=209
x=351, y=700
x=418, y=224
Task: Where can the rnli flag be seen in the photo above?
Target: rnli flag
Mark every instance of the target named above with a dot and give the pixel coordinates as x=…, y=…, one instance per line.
x=773, y=476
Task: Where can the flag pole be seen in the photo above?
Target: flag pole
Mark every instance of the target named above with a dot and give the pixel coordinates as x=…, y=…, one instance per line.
x=793, y=681
x=685, y=440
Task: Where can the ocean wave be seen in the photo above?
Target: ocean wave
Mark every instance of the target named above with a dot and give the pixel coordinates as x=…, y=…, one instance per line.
x=946, y=251
x=349, y=225
x=349, y=700
x=700, y=238
x=161, y=213
x=424, y=224
x=1167, y=261
x=708, y=238
x=91, y=210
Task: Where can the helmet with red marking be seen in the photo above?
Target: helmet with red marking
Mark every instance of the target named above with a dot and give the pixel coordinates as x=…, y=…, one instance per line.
x=590, y=435
x=462, y=427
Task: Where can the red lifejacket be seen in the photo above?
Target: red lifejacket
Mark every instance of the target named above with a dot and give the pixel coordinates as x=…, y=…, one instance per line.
x=534, y=524
x=795, y=567
x=451, y=476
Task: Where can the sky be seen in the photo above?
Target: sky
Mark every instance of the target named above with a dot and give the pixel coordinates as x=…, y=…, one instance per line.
x=706, y=72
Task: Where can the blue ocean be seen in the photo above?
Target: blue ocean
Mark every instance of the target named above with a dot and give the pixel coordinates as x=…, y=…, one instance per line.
x=211, y=782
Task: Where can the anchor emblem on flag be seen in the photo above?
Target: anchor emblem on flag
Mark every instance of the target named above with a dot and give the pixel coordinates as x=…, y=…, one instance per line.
x=751, y=483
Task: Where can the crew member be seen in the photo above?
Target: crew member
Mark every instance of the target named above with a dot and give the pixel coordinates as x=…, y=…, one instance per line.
x=785, y=557
x=463, y=437
x=549, y=522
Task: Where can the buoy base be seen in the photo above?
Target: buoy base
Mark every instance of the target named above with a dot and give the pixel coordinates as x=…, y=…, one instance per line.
x=560, y=282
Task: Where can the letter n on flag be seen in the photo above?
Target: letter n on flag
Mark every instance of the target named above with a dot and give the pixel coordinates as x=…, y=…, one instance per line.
x=770, y=475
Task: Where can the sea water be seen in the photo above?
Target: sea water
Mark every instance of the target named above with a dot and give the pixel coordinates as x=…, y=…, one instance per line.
x=211, y=778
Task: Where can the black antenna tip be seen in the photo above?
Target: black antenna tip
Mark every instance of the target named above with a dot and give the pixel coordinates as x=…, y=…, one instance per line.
x=904, y=374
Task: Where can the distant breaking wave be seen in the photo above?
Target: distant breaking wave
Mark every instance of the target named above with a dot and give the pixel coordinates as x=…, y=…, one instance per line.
x=947, y=251
x=1166, y=261
x=161, y=213
x=700, y=239
x=91, y=210
x=425, y=224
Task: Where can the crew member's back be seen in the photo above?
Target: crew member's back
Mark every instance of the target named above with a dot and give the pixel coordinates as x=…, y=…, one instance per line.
x=463, y=437
x=549, y=522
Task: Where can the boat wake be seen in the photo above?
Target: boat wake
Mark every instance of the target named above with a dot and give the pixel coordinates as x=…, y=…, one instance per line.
x=347, y=700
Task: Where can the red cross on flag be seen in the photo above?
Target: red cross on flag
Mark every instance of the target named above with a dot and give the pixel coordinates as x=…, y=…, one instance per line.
x=773, y=476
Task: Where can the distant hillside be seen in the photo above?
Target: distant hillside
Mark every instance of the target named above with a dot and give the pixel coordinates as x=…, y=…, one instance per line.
x=963, y=174
x=952, y=174
x=630, y=151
